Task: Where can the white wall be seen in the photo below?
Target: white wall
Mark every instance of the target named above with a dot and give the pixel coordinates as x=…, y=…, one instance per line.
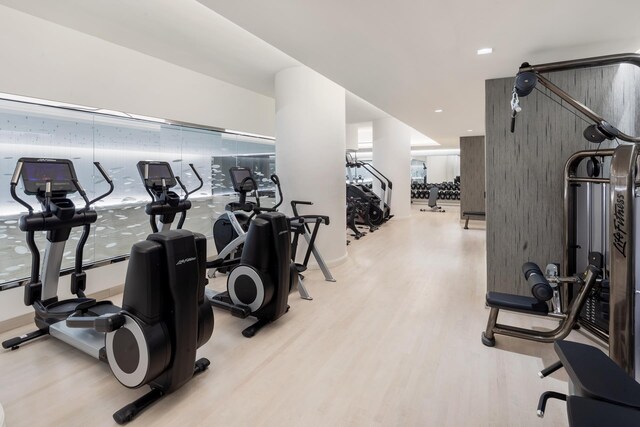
x=45, y=60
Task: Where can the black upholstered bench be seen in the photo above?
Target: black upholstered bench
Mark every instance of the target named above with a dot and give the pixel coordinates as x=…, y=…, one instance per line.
x=472, y=214
x=603, y=393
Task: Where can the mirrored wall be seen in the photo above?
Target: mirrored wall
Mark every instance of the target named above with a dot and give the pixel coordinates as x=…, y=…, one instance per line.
x=436, y=168
x=118, y=143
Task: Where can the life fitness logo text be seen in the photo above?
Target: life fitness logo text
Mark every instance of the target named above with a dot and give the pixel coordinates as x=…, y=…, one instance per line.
x=185, y=260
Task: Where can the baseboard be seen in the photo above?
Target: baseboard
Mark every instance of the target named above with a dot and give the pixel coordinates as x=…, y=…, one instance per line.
x=16, y=322
x=27, y=318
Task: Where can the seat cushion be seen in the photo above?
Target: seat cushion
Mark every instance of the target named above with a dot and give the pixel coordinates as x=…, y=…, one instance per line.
x=584, y=412
x=473, y=213
x=517, y=303
x=595, y=375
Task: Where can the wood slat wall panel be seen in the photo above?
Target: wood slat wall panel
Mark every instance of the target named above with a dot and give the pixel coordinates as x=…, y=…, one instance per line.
x=472, y=178
x=524, y=174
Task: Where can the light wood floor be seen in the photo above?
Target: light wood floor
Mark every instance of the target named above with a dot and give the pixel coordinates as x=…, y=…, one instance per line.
x=395, y=342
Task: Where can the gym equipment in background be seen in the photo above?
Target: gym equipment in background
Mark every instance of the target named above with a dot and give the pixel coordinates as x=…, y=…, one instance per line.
x=301, y=226
x=356, y=208
x=260, y=284
x=153, y=338
x=446, y=190
x=620, y=204
x=467, y=215
x=543, y=289
x=230, y=228
x=158, y=179
x=433, y=201
x=380, y=206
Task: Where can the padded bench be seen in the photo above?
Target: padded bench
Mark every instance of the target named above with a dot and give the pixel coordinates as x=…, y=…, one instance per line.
x=604, y=394
x=470, y=214
x=595, y=375
x=585, y=412
x=522, y=304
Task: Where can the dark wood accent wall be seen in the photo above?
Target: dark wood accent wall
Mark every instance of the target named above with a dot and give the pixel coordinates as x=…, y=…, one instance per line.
x=524, y=170
x=472, y=167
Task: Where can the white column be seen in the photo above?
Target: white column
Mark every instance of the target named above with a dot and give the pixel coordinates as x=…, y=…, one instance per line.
x=352, y=136
x=310, y=150
x=392, y=156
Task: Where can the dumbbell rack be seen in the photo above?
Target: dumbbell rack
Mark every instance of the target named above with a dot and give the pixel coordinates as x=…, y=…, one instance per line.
x=448, y=191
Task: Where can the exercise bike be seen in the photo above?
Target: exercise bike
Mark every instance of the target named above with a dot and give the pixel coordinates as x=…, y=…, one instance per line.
x=152, y=339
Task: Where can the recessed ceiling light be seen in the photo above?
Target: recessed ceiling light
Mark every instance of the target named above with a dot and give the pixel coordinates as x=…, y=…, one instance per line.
x=439, y=110
x=485, y=51
x=469, y=130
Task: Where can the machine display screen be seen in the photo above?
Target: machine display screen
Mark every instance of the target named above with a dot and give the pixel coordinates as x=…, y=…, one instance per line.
x=156, y=171
x=237, y=176
x=36, y=173
x=159, y=171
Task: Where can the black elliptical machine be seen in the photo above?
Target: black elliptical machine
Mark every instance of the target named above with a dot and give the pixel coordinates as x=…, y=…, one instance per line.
x=260, y=280
x=152, y=339
x=230, y=228
x=257, y=255
x=158, y=179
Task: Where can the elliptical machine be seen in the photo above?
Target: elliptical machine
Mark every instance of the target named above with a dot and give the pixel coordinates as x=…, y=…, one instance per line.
x=229, y=230
x=153, y=338
x=158, y=179
x=261, y=279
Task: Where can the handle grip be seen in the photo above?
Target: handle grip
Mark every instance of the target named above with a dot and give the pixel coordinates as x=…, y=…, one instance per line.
x=99, y=324
x=106, y=178
x=14, y=182
x=103, y=172
x=193, y=168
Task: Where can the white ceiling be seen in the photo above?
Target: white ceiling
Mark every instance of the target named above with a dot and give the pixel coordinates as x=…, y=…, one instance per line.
x=407, y=57
x=183, y=32
x=410, y=57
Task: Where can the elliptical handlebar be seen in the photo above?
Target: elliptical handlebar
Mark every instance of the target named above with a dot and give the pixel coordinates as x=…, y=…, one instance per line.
x=195, y=172
x=14, y=183
x=276, y=180
x=255, y=189
x=186, y=193
x=107, y=178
